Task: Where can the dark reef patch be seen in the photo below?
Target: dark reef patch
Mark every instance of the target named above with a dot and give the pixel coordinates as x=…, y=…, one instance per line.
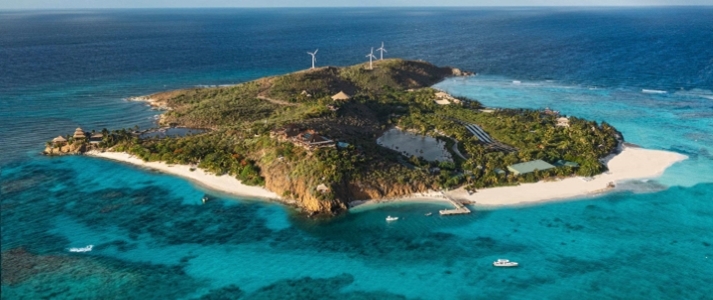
x=310, y=288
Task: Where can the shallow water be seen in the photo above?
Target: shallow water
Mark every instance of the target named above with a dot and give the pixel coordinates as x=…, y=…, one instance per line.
x=153, y=238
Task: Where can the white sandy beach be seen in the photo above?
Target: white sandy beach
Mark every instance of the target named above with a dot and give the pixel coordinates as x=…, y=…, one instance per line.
x=630, y=164
x=224, y=183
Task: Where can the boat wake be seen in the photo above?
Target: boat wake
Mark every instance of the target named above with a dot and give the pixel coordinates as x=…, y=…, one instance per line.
x=646, y=91
x=83, y=249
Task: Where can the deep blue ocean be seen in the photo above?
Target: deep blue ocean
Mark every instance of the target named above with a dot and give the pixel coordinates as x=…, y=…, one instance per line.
x=647, y=71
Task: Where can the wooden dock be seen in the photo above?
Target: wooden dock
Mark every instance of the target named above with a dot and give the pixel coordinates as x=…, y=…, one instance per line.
x=459, y=209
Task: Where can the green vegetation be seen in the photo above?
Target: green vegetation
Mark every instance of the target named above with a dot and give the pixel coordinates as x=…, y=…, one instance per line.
x=243, y=120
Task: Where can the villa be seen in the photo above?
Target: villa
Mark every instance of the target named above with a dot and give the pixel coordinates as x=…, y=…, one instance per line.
x=309, y=139
x=529, y=167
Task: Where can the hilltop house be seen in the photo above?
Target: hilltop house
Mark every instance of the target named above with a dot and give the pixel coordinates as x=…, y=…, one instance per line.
x=309, y=139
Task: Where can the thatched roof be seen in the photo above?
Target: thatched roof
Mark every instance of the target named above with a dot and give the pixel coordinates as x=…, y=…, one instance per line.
x=59, y=139
x=97, y=135
x=79, y=133
x=341, y=96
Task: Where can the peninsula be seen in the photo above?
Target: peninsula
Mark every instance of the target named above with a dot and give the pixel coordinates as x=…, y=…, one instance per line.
x=327, y=137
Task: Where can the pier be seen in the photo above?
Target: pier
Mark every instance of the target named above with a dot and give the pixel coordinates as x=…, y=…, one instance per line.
x=459, y=209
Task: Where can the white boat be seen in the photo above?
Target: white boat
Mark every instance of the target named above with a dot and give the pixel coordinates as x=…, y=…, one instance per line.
x=504, y=263
x=390, y=218
x=83, y=249
x=428, y=214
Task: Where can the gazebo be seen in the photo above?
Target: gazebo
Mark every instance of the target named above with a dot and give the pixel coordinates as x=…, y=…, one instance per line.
x=59, y=141
x=341, y=96
x=79, y=134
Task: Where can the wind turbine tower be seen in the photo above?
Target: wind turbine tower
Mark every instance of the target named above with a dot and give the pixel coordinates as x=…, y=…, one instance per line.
x=381, y=50
x=371, y=57
x=314, y=58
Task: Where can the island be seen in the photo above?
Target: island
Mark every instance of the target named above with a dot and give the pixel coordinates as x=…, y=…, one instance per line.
x=326, y=139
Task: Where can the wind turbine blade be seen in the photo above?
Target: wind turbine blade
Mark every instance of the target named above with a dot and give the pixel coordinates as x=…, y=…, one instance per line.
x=315, y=51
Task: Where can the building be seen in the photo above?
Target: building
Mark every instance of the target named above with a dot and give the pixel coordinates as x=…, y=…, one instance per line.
x=309, y=139
x=312, y=140
x=96, y=138
x=563, y=122
x=59, y=141
x=341, y=96
x=564, y=163
x=530, y=166
x=79, y=134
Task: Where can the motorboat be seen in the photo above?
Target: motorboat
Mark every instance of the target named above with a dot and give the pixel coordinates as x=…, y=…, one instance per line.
x=204, y=199
x=504, y=263
x=83, y=249
x=390, y=218
x=428, y=214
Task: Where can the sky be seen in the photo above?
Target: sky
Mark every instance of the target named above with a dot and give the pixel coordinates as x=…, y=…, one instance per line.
x=74, y=4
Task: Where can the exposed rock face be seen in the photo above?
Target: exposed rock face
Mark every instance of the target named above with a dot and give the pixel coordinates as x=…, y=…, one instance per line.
x=459, y=72
x=278, y=180
x=75, y=148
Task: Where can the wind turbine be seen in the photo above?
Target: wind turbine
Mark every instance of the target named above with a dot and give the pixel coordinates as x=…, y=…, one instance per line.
x=371, y=56
x=382, y=50
x=313, y=57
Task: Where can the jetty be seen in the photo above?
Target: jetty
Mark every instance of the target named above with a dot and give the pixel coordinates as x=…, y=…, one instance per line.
x=459, y=209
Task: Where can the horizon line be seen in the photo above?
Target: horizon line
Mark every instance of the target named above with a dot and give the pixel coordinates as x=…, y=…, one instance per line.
x=372, y=6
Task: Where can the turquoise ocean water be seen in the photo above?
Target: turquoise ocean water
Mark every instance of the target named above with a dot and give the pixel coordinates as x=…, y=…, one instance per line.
x=154, y=239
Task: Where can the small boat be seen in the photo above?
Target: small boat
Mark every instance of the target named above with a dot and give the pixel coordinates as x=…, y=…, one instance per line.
x=504, y=263
x=390, y=218
x=204, y=199
x=428, y=214
x=83, y=249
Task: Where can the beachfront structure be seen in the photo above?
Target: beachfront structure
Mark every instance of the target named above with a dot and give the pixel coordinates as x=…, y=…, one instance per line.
x=314, y=56
x=79, y=134
x=59, y=141
x=381, y=51
x=96, y=138
x=371, y=57
x=563, y=122
x=529, y=167
x=564, y=163
x=341, y=96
